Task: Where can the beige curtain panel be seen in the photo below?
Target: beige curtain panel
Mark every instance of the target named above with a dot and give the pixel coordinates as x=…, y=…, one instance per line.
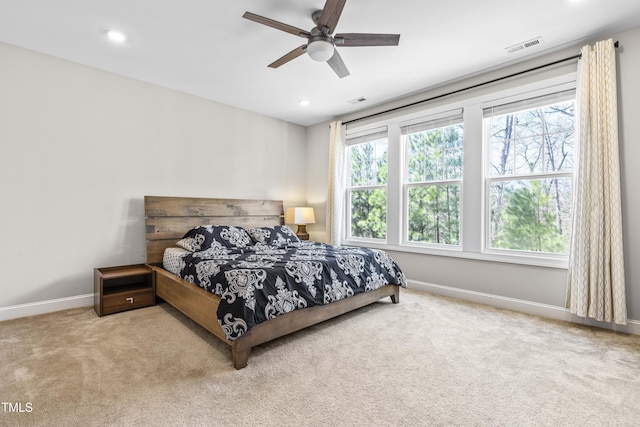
x=596, y=286
x=335, y=198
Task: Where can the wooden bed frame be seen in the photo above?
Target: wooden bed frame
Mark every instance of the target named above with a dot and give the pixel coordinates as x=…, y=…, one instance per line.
x=167, y=219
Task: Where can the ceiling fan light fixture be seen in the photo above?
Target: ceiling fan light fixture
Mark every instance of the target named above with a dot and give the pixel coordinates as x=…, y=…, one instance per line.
x=320, y=48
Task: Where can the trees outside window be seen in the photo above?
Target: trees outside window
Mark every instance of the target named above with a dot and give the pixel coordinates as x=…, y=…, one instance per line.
x=529, y=179
x=486, y=177
x=367, y=189
x=433, y=183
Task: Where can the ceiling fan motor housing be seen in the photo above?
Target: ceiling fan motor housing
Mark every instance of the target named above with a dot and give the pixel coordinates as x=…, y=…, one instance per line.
x=315, y=16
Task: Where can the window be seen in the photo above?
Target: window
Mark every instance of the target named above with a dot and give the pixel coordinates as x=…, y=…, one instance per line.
x=367, y=187
x=528, y=195
x=433, y=180
x=488, y=176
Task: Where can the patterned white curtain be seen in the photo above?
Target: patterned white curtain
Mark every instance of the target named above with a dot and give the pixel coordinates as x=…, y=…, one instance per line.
x=335, y=198
x=596, y=287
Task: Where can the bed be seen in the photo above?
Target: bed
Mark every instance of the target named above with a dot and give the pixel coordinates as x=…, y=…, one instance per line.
x=183, y=235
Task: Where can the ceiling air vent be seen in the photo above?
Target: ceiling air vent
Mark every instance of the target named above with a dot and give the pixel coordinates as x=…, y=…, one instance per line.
x=357, y=100
x=524, y=45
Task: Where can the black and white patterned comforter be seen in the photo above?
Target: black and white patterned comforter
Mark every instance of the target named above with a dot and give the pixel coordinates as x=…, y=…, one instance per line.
x=260, y=282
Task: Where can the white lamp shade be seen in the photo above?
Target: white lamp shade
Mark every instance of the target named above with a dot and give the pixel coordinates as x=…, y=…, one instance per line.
x=300, y=216
x=320, y=50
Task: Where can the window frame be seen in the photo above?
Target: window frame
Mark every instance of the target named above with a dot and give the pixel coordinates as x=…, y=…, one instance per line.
x=473, y=232
x=425, y=124
x=519, y=104
x=352, y=139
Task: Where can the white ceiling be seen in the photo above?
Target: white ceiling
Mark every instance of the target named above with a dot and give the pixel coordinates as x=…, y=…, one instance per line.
x=206, y=48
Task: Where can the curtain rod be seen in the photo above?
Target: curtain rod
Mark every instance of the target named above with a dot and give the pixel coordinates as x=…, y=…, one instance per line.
x=413, y=104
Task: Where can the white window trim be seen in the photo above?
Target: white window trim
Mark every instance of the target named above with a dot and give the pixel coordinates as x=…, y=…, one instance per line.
x=473, y=227
x=362, y=136
x=446, y=118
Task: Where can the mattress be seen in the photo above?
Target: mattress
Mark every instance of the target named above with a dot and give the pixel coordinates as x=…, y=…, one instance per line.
x=260, y=282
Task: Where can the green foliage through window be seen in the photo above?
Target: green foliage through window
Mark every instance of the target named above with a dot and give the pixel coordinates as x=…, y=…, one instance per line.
x=534, y=215
x=518, y=176
x=368, y=189
x=434, y=173
x=434, y=214
x=369, y=213
x=530, y=188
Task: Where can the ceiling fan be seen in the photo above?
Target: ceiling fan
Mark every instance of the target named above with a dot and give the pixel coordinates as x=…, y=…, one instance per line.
x=320, y=43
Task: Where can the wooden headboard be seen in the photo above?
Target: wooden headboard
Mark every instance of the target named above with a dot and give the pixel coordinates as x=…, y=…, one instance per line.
x=167, y=219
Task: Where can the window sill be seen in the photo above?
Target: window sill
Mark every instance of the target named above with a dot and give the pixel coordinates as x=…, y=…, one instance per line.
x=537, y=261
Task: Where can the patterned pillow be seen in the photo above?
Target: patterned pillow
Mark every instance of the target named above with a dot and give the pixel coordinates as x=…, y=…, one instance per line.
x=205, y=237
x=275, y=236
x=189, y=243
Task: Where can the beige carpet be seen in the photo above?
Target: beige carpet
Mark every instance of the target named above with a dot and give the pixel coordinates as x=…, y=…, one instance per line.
x=426, y=361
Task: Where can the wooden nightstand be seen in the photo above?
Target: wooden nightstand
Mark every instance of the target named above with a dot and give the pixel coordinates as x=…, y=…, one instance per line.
x=123, y=288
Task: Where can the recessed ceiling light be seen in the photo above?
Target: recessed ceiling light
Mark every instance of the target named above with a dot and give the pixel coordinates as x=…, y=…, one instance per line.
x=303, y=102
x=116, y=36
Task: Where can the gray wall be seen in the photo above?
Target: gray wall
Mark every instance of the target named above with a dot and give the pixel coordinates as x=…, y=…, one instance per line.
x=80, y=148
x=538, y=285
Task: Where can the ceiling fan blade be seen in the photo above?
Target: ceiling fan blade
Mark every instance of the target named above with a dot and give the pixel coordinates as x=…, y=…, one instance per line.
x=277, y=25
x=337, y=64
x=330, y=15
x=289, y=56
x=359, y=39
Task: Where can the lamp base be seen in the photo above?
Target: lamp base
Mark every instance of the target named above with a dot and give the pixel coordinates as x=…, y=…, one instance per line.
x=302, y=232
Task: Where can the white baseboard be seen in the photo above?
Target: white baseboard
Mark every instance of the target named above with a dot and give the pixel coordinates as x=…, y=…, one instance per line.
x=42, y=307
x=543, y=310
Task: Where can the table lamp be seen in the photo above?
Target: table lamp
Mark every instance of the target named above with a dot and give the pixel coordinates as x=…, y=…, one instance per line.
x=300, y=216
